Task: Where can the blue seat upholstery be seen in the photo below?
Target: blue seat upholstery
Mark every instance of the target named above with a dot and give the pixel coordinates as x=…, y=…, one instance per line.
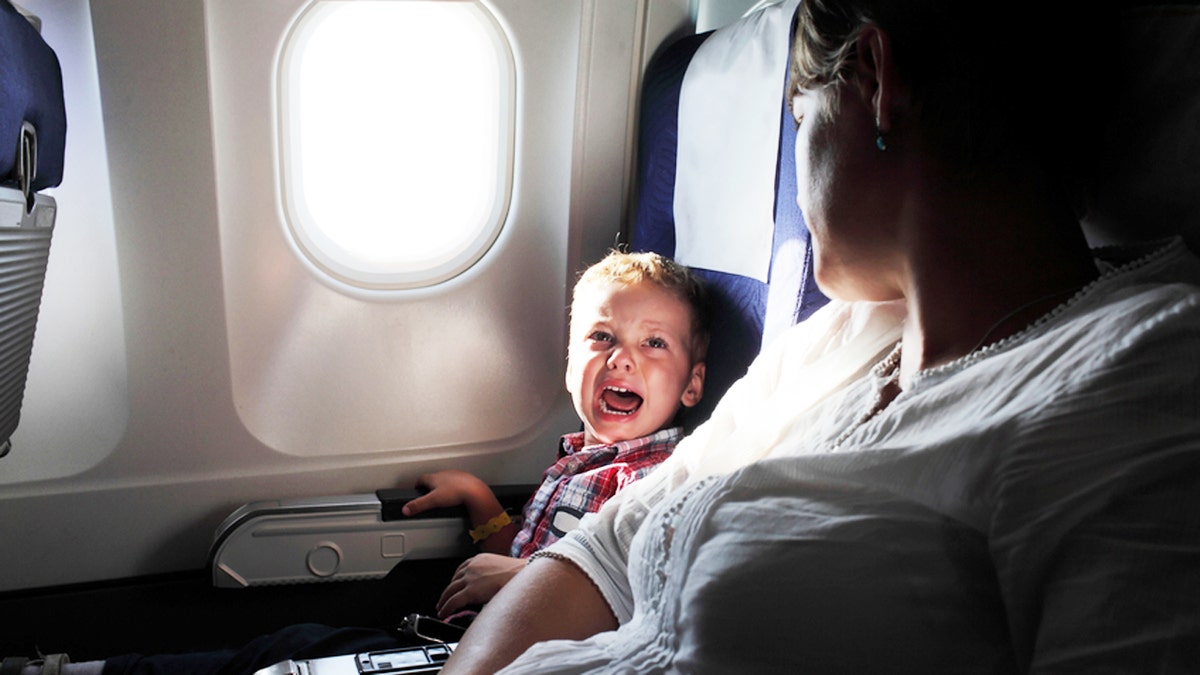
x=33, y=127
x=746, y=312
x=31, y=91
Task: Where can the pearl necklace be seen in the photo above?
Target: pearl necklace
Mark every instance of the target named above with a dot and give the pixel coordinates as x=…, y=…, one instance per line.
x=888, y=370
x=891, y=362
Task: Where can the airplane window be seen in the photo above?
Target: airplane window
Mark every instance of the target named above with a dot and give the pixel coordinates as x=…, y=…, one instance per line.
x=396, y=124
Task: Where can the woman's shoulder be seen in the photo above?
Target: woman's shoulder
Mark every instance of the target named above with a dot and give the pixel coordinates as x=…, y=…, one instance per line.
x=1150, y=289
x=1165, y=262
x=1139, y=316
x=841, y=328
x=1129, y=341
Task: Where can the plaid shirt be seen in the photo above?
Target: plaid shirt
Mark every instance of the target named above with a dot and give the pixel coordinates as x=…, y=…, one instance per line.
x=583, y=479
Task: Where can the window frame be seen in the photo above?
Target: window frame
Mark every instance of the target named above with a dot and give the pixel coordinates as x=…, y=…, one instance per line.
x=315, y=249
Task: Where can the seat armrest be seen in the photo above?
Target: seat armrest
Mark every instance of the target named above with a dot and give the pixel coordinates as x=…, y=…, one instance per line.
x=511, y=497
x=344, y=538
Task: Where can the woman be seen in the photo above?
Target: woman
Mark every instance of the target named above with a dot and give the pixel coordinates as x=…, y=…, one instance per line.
x=982, y=457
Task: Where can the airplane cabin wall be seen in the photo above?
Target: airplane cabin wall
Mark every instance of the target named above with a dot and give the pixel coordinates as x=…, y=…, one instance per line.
x=134, y=443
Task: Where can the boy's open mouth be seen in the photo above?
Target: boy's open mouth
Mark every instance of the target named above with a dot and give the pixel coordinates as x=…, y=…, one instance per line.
x=619, y=401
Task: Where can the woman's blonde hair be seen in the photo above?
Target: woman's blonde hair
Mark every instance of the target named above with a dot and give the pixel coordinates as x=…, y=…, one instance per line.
x=991, y=92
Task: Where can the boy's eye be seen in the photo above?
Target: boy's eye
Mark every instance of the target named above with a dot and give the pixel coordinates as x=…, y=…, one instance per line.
x=656, y=343
x=600, y=336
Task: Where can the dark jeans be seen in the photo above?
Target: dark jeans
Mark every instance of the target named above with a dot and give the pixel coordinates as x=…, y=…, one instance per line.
x=303, y=641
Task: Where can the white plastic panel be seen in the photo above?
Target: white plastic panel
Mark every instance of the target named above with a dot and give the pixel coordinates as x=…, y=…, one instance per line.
x=321, y=368
x=149, y=361
x=325, y=539
x=712, y=14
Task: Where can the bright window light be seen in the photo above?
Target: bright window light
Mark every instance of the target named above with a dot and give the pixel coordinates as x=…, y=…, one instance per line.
x=396, y=121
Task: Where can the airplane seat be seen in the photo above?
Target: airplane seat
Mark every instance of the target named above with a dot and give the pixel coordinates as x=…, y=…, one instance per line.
x=716, y=164
x=32, y=142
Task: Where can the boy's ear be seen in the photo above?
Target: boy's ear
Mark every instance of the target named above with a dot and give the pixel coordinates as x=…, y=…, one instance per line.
x=567, y=374
x=695, y=386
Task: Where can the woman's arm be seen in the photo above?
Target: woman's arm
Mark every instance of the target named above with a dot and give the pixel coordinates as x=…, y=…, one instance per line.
x=550, y=599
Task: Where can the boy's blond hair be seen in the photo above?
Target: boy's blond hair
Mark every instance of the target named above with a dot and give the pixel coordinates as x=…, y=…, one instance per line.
x=628, y=269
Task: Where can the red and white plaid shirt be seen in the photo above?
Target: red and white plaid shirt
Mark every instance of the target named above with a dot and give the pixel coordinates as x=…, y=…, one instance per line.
x=583, y=478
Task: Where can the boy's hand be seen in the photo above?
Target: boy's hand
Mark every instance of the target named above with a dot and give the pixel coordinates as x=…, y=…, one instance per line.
x=451, y=488
x=476, y=581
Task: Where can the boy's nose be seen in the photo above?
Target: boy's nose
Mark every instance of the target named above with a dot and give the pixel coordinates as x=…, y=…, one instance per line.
x=621, y=359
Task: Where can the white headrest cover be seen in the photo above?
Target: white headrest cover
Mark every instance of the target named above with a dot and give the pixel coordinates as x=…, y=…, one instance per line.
x=729, y=115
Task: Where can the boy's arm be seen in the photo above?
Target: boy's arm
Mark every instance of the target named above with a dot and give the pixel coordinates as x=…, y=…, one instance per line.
x=550, y=599
x=453, y=488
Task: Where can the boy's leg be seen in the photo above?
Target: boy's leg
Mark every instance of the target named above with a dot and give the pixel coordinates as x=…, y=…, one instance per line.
x=304, y=641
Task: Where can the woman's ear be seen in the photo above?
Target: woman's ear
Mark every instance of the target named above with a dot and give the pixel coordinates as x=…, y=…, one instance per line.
x=695, y=386
x=877, y=79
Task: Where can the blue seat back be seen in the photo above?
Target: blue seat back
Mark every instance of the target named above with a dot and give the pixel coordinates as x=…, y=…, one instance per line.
x=31, y=92
x=33, y=127
x=747, y=312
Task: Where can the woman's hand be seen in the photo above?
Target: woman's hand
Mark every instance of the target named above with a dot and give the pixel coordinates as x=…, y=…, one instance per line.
x=476, y=581
x=550, y=599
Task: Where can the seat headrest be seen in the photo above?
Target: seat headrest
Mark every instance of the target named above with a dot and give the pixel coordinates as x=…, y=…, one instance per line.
x=1148, y=184
x=31, y=92
x=729, y=118
x=716, y=184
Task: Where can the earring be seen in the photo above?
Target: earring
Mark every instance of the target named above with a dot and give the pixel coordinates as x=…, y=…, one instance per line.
x=879, y=142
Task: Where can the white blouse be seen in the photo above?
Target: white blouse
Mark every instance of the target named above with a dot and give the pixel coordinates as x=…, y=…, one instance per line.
x=1031, y=506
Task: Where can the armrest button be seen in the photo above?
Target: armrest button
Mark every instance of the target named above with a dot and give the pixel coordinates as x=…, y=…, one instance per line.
x=324, y=560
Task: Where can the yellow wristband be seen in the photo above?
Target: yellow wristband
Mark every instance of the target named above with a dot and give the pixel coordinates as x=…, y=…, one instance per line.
x=490, y=527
